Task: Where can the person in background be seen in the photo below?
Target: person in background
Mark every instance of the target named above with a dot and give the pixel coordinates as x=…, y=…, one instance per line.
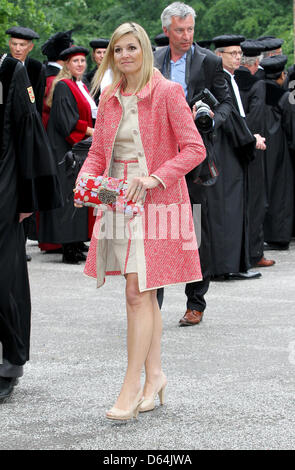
x=99, y=47
x=72, y=117
x=252, y=92
x=228, y=200
x=271, y=46
x=28, y=182
x=52, y=49
x=20, y=45
x=195, y=69
x=280, y=135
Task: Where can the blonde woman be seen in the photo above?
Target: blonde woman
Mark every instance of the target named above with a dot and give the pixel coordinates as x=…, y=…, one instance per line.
x=72, y=118
x=144, y=132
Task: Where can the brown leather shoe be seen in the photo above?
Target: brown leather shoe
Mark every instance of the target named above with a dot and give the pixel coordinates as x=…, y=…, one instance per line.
x=191, y=317
x=265, y=263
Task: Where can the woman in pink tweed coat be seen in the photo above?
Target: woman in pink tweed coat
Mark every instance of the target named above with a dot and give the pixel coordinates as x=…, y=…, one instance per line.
x=144, y=132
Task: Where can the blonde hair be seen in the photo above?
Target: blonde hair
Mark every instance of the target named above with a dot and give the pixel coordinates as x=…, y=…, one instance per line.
x=108, y=62
x=64, y=73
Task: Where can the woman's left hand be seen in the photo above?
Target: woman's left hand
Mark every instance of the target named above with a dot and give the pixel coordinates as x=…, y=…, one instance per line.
x=137, y=188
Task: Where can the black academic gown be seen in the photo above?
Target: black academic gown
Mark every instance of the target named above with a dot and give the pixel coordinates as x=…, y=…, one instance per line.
x=280, y=136
x=89, y=75
x=36, y=73
x=252, y=91
x=28, y=182
x=67, y=224
x=260, y=74
x=227, y=199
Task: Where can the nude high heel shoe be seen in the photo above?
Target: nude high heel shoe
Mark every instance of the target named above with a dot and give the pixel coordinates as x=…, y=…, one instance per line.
x=124, y=415
x=148, y=404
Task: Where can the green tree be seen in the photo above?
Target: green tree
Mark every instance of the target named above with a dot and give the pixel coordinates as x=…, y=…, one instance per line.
x=7, y=15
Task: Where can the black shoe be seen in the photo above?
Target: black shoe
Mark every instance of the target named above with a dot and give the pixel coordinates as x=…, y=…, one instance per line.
x=276, y=246
x=244, y=276
x=70, y=255
x=80, y=255
x=82, y=247
x=29, y=257
x=7, y=385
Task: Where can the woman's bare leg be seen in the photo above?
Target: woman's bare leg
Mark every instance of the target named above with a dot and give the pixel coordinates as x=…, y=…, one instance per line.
x=153, y=366
x=140, y=325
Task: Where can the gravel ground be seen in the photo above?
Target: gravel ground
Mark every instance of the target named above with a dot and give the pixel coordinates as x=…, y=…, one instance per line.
x=230, y=379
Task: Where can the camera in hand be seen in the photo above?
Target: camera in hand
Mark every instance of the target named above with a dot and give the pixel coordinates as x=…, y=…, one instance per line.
x=205, y=101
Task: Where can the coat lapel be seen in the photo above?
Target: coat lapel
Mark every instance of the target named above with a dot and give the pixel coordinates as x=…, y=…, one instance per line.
x=196, y=73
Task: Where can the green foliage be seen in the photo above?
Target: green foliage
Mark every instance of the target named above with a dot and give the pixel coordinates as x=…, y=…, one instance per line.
x=7, y=19
x=99, y=18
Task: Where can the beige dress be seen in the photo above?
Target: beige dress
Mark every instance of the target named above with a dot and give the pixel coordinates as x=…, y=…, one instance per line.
x=124, y=165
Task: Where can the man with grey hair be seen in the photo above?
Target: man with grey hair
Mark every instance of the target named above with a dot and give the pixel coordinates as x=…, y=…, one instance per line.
x=271, y=46
x=195, y=69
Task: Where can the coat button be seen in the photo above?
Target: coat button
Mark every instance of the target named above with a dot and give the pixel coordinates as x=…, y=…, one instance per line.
x=135, y=132
x=133, y=110
x=140, y=154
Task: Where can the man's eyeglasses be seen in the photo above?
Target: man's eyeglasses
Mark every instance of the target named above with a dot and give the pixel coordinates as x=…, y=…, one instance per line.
x=234, y=53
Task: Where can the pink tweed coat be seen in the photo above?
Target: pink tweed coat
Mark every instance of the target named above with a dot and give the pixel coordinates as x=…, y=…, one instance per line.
x=172, y=147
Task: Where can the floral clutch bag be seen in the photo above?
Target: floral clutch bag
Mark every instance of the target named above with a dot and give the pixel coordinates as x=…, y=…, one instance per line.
x=95, y=191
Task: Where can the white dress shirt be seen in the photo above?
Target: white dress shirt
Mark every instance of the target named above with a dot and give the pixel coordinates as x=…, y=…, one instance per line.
x=237, y=94
x=89, y=99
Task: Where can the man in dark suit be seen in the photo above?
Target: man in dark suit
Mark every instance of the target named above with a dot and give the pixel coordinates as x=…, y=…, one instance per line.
x=195, y=69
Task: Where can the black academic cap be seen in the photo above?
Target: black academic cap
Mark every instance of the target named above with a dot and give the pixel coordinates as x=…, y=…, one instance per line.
x=22, y=33
x=74, y=50
x=227, y=40
x=161, y=40
x=271, y=44
x=100, y=43
x=274, y=64
x=206, y=43
x=252, y=48
x=56, y=44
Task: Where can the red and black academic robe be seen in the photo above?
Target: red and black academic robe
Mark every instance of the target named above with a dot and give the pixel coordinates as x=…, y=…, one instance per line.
x=51, y=72
x=46, y=109
x=28, y=182
x=69, y=118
